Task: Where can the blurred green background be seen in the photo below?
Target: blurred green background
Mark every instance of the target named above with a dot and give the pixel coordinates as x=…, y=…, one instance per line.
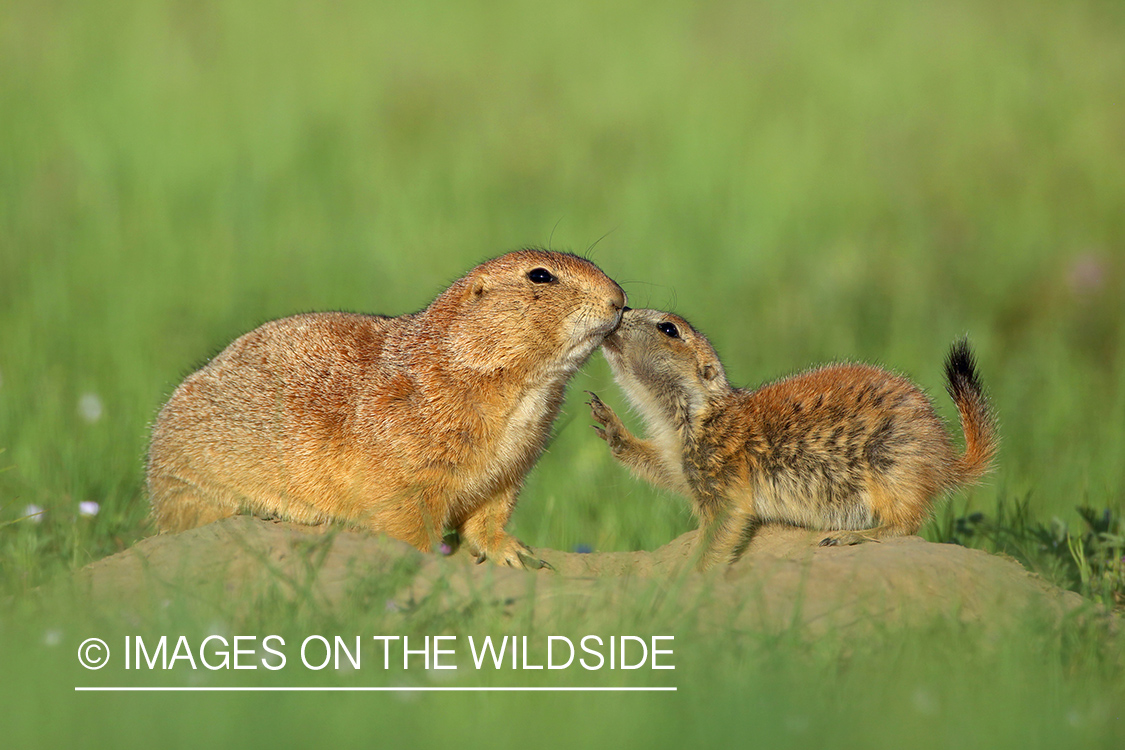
x=804, y=181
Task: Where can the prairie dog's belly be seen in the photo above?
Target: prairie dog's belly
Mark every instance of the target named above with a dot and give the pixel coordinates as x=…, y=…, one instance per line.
x=509, y=452
x=808, y=504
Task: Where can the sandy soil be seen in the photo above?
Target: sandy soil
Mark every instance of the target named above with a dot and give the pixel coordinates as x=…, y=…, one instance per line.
x=784, y=578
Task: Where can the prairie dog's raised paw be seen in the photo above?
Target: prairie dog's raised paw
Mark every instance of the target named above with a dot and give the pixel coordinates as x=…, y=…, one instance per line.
x=610, y=428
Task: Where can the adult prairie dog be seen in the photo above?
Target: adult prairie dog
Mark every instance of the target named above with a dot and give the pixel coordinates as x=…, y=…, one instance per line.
x=847, y=448
x=409, y=425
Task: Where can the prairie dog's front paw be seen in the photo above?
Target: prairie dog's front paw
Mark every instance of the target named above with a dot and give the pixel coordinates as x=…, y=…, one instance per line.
x=514, y=553
x=611, y=429
x=600, y=412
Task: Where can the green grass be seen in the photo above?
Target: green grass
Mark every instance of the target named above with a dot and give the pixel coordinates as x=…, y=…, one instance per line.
x=1090, y=561
x=805, y=182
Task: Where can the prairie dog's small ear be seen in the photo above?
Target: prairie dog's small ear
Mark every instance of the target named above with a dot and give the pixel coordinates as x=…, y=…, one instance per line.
x=709, y=372
x=479, y=286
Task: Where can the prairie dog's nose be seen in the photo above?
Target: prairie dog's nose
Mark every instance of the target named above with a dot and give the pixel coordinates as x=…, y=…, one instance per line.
x=619, y=299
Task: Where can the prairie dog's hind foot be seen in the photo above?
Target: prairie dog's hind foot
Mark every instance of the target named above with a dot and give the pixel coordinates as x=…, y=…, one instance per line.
x=847, y=539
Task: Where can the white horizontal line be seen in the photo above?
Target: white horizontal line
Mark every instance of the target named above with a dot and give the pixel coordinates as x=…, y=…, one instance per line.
x=404, y=689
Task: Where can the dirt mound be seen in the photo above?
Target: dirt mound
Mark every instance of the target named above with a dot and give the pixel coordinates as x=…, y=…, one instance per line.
x=784, y=578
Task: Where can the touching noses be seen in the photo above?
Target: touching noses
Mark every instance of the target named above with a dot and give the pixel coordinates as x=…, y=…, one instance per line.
x=618, y=303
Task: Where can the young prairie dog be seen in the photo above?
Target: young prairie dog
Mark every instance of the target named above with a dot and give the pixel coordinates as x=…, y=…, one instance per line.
x=407, y=425
x=848, y=448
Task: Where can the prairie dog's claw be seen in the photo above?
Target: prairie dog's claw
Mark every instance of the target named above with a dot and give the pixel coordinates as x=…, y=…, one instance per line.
x=531, y=562
x=598, y=409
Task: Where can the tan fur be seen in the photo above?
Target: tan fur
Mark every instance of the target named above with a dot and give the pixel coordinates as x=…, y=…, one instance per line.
x=850, y=448
x=410, y=425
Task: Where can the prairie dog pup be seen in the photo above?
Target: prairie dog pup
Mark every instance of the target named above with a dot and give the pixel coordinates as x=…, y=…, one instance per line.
x=406, y=425
x=849, y=447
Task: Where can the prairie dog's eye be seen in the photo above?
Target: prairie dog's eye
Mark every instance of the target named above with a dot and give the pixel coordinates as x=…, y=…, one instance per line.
x=669, y=329
x=541, y=276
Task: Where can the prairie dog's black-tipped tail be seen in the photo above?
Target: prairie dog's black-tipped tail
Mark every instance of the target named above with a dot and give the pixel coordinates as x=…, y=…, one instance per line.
x=977, y=418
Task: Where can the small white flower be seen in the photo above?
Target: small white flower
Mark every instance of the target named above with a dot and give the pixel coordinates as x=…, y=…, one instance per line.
x=52, y=637
x=88, y=508
x=90, y=407
x=33, y=512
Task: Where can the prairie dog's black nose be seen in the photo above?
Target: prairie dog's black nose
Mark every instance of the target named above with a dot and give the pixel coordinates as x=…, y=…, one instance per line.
x=618, y=300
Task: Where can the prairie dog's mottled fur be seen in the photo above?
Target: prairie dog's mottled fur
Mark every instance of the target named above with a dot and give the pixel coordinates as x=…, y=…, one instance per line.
x=408, y=425
x=849, y=448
